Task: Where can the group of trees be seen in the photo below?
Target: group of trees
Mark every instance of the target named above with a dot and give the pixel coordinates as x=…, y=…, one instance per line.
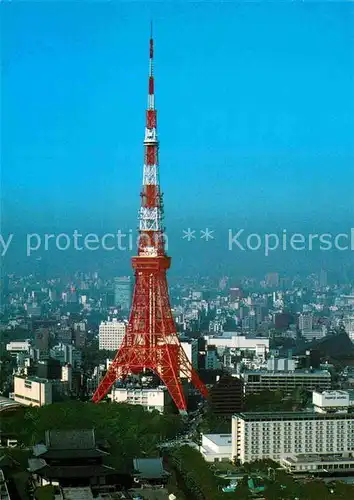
x=201, y=483
x=197, y=476
x=130, y=431
x=283, y=486
x=277, y=401
x=7, y=364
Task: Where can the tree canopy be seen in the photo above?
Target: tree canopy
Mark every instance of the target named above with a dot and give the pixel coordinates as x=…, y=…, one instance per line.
x=130, y=431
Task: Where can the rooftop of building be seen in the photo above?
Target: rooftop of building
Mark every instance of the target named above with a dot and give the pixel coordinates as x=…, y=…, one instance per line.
x=229, y=335
x=219, y=439
x=160, y=388
x=317, y=458
x=296, y=373
x=78, y=439
x=72, y=471
x=333, y=393
x=290, y=415
x=8, y=404
x=33, y=378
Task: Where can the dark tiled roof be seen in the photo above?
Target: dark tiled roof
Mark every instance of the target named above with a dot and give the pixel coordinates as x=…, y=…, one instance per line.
x=63, y=454
x=80, y=439
x=8, y=404
x=75, y=471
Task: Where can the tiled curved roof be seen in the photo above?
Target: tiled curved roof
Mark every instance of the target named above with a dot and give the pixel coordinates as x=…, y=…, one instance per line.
x=7, y=404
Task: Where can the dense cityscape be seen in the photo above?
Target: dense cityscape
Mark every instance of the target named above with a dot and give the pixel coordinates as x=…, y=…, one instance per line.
x=146, y=384
x=275, y=353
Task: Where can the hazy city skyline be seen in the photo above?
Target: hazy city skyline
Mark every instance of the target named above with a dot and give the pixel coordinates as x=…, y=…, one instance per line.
x=255, y=121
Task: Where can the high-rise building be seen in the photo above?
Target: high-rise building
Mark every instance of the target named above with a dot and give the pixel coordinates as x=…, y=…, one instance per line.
x=41, y=339
x=67, y=354
x=305, y=323
x=323, y=278
x=212, y=361
x=226, y=396
x=191, y=350
x=122, y=292
x=272, y=280
x=111, y=334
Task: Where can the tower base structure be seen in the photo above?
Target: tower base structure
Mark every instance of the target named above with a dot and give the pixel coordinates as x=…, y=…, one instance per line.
x=151, y=341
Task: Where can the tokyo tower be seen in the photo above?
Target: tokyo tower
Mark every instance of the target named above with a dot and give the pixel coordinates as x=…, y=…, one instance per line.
x=151, y=341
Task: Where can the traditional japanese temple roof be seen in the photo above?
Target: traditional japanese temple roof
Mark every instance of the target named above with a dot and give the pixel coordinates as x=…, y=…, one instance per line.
x=61, y=445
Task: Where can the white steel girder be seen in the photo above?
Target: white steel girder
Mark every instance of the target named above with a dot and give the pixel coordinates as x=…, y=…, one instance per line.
x=150, y=175
x=150, y=219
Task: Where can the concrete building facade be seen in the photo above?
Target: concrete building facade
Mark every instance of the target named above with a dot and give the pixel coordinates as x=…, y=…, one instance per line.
x=257, y=436
x=32, y=391
x=111, y=334
x=151, y=398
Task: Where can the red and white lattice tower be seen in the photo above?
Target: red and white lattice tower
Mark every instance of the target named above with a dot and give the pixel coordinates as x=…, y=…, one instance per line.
x=151, y=341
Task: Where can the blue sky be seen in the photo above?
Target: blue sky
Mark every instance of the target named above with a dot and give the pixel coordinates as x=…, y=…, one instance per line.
x=255, y=111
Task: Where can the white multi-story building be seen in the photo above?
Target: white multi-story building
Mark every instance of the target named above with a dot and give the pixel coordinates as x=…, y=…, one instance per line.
x=305, y=323
x=259, y=345
x=66, y=375
x=319, y=333
x=281, y=364
x=32, y=391
x=16, y=347
x=216, y=447
x=333, y=401
x=257, y=436
x=111, y=334
x=152, y=398
x=191, y=350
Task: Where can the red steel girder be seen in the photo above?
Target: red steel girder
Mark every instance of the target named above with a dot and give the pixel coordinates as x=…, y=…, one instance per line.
x=151, y=341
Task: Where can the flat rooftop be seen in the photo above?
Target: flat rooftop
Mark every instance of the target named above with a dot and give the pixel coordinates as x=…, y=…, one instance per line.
x=295, y=373
x=317, y=458
x=219, y=439
x=332, y=393
x=292, y=415
x=33, y=378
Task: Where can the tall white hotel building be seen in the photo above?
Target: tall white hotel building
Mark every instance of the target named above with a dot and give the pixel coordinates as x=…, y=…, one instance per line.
x=328, y=430
x=111, y=334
